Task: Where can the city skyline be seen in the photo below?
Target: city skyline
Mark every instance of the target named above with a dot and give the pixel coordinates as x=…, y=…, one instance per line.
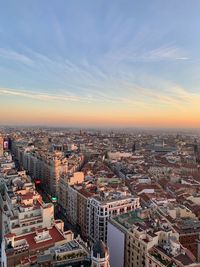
x=86, y=63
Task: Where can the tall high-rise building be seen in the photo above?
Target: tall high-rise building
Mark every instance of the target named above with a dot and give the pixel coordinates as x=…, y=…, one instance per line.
x=1, y=145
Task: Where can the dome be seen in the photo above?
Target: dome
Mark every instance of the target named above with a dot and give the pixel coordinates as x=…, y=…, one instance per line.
x=99, y=248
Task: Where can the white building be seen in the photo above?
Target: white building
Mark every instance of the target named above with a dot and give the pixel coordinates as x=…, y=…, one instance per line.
x=22, y=207
x=101, y=210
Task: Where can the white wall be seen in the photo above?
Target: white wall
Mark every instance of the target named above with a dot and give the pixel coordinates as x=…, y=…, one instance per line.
x=48, y=215
x=117, y=155
x=3, y=261
x=116, y=243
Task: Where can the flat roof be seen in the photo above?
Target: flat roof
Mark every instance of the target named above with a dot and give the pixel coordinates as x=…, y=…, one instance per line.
x=130, y=217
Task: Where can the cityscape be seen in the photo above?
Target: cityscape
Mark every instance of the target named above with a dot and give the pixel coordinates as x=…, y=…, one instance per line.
x=99, y=133
x=99, y=198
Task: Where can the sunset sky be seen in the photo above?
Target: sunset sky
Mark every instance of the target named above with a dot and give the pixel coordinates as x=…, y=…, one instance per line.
x=100, y=63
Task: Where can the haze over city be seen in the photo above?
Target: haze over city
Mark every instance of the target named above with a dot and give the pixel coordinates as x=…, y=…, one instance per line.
x=100, y=63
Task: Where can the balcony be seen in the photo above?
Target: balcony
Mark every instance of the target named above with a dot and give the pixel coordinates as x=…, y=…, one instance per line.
x=31, y=218
x=21, y=246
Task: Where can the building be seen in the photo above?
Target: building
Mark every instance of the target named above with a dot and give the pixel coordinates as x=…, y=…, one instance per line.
x=65, y=181
x=189, y=233
x=22, y=207
x=17, y=249
x=1, y=145
x=29, y=233
x=46, y=165
x=89, y=205
x=100, y=255
x=145, y=239
x=100, y=210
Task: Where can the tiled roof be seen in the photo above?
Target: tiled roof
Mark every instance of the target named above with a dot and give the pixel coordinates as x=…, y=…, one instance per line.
x=53, y=232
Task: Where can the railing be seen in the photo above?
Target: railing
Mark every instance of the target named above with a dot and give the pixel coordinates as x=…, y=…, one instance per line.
x=64, y=261
x=30, y=218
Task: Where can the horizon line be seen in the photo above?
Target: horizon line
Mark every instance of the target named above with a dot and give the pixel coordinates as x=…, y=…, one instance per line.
x=98, y=127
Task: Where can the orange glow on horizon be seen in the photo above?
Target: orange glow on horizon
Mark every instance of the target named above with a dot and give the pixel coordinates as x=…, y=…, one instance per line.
x=46, y=113
x=97, y=120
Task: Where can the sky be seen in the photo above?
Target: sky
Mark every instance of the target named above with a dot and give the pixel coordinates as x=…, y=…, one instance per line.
x=100, y=63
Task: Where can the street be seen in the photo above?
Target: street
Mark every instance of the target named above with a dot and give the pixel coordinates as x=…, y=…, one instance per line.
x=58, y=213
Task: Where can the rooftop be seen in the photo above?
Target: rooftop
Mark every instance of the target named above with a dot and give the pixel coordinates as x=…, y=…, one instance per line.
x=128, y=219
x=54, y=233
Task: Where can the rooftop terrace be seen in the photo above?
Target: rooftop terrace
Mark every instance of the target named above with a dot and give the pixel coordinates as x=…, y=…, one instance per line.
x=128, y=219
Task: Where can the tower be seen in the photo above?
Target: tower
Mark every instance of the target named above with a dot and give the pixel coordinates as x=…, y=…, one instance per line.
x=198, y=249
x=133, y=148
x=100, y=255
x=1, y=145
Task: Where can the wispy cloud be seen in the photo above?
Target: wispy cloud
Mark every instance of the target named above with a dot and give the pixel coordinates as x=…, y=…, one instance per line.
x=167, y=52
x=182, y=58
x=15, y=56
x=184, y=96
x=86, y=82
x=65, y=97
x=40, y=96
x=88, y=98
x=145, y=98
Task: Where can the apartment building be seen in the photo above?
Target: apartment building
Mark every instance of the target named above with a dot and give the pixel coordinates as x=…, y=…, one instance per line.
x=100, y=210
x=42, y=164
x=145, y=239
x=47, y=165
x=89, y=205
x=65, y=181
x=24, y=249
x=22, y=207
x=29, y=233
